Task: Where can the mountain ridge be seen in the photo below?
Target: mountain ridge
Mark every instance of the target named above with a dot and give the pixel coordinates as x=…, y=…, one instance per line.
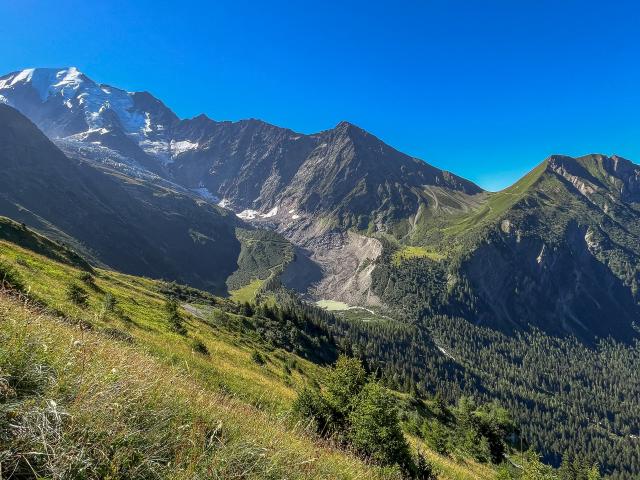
x=91, y=113
x=315, y=188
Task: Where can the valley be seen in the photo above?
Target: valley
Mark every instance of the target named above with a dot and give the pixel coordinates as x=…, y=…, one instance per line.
x=280, y=248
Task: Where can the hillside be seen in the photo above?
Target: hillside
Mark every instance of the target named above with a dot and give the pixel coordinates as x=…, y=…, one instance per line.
x=528, y=295
x=558, y=250
x=19, y=234
x=120, y=392
x=112, y=219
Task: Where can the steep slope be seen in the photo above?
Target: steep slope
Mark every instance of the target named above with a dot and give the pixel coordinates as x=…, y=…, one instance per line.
x=310, y=188
x=120, y=394
x=20, y=234
x=114, y=220
x=559, y=250
x=344, y=174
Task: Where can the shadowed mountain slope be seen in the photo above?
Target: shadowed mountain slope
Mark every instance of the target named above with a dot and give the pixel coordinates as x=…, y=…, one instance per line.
x=114, y=220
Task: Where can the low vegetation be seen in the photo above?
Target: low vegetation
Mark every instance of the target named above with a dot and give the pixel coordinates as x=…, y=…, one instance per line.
x=105, y=375
x=409, y=252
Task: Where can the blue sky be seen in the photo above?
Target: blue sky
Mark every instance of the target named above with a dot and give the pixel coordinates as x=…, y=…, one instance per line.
x=486, y=89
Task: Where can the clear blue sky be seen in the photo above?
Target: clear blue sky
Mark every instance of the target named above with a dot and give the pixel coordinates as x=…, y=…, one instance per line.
x=486, y=89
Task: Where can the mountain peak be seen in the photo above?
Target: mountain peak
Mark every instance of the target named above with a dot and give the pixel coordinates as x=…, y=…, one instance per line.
x=45, y=81
x=348, y=127
x=344, y=124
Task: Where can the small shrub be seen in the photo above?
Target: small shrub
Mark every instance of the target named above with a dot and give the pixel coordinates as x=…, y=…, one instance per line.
x=77, y=295
x=118, y=335
x=109, y=303
x=87, y=278
x=173, y=317
x=424, y=470
x=199, y=347
x=437, y=436
x=10, y=278
x=257, y=358
x=22, y=262
x=310, y=405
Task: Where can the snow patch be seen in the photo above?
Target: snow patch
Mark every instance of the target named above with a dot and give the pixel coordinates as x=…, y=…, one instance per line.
x=182, y=146
x=271, y=213
x=147, y=124
x=85, y=135
x=248, y=214
x=156, y=148
x=295, y=217
x=24, y=76
x=224, y=203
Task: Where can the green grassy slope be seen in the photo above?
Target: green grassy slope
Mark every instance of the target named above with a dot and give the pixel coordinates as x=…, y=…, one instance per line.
x=123, y=396
x=19, y=234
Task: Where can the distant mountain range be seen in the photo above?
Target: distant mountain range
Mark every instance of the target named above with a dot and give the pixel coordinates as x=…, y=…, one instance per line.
x=249, y=165
x=559, y=250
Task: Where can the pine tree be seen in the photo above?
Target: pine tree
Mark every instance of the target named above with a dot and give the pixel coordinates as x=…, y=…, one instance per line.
x=375, y=429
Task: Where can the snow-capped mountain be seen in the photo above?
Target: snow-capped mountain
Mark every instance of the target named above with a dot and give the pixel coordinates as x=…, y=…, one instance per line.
x=75, y=111
x=259, y=170
x=551, y=238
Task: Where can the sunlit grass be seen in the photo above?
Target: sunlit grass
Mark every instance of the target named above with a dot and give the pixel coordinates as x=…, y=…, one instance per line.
x=152, y=392
x=246, y=293
x=409, y=252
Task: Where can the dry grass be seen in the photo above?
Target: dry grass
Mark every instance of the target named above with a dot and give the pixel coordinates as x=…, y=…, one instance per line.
x=128, y=398
x=84, y=406
x=454, y=469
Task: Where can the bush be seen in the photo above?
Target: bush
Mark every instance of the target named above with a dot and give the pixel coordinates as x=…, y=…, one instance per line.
x=310, y=405
x=87, y=278
x=343, y=384
x=257, y=358
x=360, y=413
x=173, y=317
x=10, y=278
x=424, y=470
x=375, y=428
x=437, y=436
x=110, y=302
x=77, y=294
x=198, y=346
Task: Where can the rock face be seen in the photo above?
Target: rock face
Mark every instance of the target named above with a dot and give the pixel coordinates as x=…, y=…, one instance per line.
x=344, y=174
x=565, y=257
x=336, y=266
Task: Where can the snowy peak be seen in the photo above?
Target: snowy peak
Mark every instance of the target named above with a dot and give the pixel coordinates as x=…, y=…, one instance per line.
x=255, y=166
x=72, y=108
x=71, y=89
x=46, y=81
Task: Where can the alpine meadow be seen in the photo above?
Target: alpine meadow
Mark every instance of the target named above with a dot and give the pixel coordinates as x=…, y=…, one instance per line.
x=190, y=298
